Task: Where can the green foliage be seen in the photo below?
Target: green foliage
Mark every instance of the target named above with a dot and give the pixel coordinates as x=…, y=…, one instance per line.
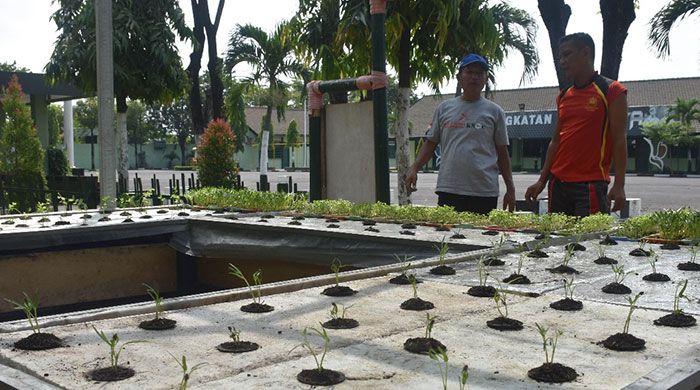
x=307, y=345
x=186, y=373
x=548, y=341
x=553, y=222
x=336, y=266
x=12, y=67
x=58, y=162
x=215, y=155
x=292, y=137
x=633, y=305
x=442, y=249
x=255, y=293
x=619, y=273
x=501, y=299
x=245, y=199
x=568, y=255
x=638, y=227
x=414, y=285
x=675, y=224
x=440, y=356
x=157, y=299
x=114, y=353
x=29, y=307
x=234, y=334
x=507, y=220
x=680, y=293
x=595, y=223
x=483, y=274
x=234, y=107
x=55, y=122
x=569, y=288
x=338, y=308
x=429, y=323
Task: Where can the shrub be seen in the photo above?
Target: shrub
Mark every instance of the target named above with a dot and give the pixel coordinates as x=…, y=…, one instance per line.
x=57, y=161
x=215, y=155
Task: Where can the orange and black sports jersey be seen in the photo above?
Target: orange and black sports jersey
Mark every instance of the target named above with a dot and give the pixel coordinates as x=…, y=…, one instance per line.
x=585, y=147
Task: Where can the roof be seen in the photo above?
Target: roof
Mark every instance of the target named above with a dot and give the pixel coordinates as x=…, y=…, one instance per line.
x=254, y=115
x=36, y=84
x=640, y=93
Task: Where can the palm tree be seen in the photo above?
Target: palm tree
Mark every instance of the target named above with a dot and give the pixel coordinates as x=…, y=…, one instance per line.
x=685, y=112
x=663, y=20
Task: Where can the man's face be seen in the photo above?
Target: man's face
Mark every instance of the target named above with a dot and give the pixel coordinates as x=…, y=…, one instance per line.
x=472, y=78
x=572, y=59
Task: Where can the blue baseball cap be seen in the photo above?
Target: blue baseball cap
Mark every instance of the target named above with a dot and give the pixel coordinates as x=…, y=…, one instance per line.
x=473, y=58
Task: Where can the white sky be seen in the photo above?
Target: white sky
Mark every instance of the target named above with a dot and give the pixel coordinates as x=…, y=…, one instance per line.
x=28, y=36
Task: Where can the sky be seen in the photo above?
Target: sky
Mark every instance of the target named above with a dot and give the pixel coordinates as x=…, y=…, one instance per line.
x=28, y=37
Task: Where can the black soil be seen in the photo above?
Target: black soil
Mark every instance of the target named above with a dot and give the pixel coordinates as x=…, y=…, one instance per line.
x=158, y=324
x=38, y=342
x=263, y=220
x=24, y=225
x=689, y=266
x=540, y=237
x=341, y=323
x=576, y=246
x=408, y=226
x=332, y=220
x=482, y=291
x=504, y=323
x=298, y=218
x=339, y=291
x=679, y=320
x=128, y=220
x=493, y=261
x=369, y=223
x=111, y=374
x=490, y=233
x=125, y=214
x=371, y=229
x=103, y=219
x=257, y=308
x=443, y=270
x=442, y=228
x=61, y=223
x=422, y=345
x=237, y=346
x=616, y=288
x=296, y=223
x=402, y=279
x=537, y=254
x=458, y=236
x=623, y=342
x=417, y=304
x=639, y=252
x=183, y=214
x=607, y=241
x=567, y=304
x=605, y=260
x=146, y=216
x=332, y=226
x=315, y=377
x=267, y=216
x=563, y=269
x=407, y=233
x=163, y=211
x=517, y=279
x=670, y=246
x=656, y=277
x=552, y=373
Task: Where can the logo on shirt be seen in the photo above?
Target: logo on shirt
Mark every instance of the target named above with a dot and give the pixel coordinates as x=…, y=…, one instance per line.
x=592, y=104
x=459, y=123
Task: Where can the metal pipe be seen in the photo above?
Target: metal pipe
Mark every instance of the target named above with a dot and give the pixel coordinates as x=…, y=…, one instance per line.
x=381, y=136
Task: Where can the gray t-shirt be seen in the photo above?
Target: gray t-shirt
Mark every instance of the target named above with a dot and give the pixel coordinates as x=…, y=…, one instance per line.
x=468, y=133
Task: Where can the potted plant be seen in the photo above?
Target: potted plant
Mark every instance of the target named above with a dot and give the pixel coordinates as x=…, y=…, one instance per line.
x=257, y=306
x=482, y=290
x=550, y=372
x=625, y=341
x=640, y=251
x=537, y=252
x=159, y=322
x=236, y=345
x=338, y=320
x=186, y=371
x=691, y=265
x=423, y=345
x=442, y=269
x=338, y=290
x=458, y=235
x=655, y=276
x=576, y=245
x=37, y=340
x=517, y=277
x=440, y=356
x=416, y=303
x=602, y=258
x=677, y=318
x=503, y=322
x=564, y=268
x=114, y=372
x=319, y=376
x=403, y=277
x=568, y=303
x=607, y=241
x=616, y=287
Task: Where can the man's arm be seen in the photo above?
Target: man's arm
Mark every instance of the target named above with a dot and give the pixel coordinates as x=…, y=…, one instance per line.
x=425, y=153
x=506, y=173
x=535, y=189
x=618, y=131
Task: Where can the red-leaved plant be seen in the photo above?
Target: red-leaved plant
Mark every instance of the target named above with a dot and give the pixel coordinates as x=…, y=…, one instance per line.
x=215, y=155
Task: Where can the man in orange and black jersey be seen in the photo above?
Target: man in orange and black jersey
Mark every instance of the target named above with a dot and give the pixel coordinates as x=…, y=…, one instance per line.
x=590, y=134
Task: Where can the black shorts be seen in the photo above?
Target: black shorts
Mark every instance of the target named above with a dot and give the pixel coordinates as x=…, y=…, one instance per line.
x=474, y=204
x=578, y=199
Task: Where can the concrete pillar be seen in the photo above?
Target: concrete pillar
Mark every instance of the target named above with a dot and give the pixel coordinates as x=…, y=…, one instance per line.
x=68, y=131
x=105, y=100
x=40, y=115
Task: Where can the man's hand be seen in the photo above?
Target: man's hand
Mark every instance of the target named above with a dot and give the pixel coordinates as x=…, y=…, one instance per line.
x=411, y=179
x=534, y=190
x=617, y=194
x=509, y=200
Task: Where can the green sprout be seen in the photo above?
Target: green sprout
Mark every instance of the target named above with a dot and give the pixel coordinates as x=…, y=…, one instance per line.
x=43, y=207
x=234, y=334
x=440, y=356
x=307, y=345
x=633, y=305
x=501, y=298
x=694, y=252
x=12, y=208
x=414, y=285
x=338, y=308
x=483, y=275
x=336, y=266
x=29, y=306
x=157, y=299
x=186, y=373
x=113, y=342
x=568, y=255
x=600, y=249
x=642, y=244
x=569, y=288
x=521, y=258
x=547, y=341
x=257, y=281
x=652, y=259
x=442, y=249
x=405, y=263
x=463, y=377
x=429, y=323
x=680, y=293
x=619, y=272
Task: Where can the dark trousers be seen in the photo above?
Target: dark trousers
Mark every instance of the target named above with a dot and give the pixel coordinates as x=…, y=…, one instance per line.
x=578, y=199
x=474, y=204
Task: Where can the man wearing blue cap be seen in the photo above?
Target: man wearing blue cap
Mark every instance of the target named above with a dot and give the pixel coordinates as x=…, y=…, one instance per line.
x=471, y=132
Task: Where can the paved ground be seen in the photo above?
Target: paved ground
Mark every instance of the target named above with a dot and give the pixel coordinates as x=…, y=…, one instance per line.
x=656, y=192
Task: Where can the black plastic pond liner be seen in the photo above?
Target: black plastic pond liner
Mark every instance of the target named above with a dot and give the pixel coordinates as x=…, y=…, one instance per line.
x=679, y=320
x=616, y=288
x=326, y=377
x=482, y=291
x=607, y=241
x=341, y=323
x=563, y=269
x=338, y=291
x=623, y=342
x=567, y=304
x=408, y=226
x=158, y=324
x=670, y=246
x=604, y=260
x=417, y=304
x=257, y=308
x=688, y=266
x=575, y=246
x=111, y=374
x=517, y=279
x=237, y=346
x=537, y=254
x=423, y=345
x=639, y=252
x=552, y=373
x=493, y=262
x=504, y=323
x=656, y=277
x=490, y=233
x=402, y=280
x=443, y=270
x=38, y=342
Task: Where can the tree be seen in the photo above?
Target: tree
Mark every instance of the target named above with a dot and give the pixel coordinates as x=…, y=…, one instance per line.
x=234, y=107
x=617, y=17
x=147, y=65
x=215, y=163
x=55, y=118
x=555, y=15
x=173, y=119
x=139, y=129
x=85, y=114
x=292, y=139
x=12, y=67
x=663, y=21
x=662, y=131
x=685, y=112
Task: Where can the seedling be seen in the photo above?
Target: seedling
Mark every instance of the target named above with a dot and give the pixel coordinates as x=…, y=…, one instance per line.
x=106, y=203
x=633, y=305
x=440, y=356
x=335, y=310
x=405, y=263
x=186, y=374
x=114, y=353
x=521, y=258
x=569, y=288
x=652, y=259
x=548, y=341
x=157, y=299
x=619, y=272
x=600, y=249
x=429, y=323
x=257, y=281
x=463, y=377
x=694, y=252
x=326, y=345
x=414, y=285
x=568, y=256
x=442, y=248
x=680, y=293
x=234, y=334
x=336, y=266
x=12, y=208
x=483, y=275
x=501, y=298
x=29, y=306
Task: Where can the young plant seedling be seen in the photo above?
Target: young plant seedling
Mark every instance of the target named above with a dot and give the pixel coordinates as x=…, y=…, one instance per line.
x=503, y=322
x=403, y=277
x=106, y=205
x=29, y=306
x=37, y=340
x=617, y=287
x=677, y=318
x=319, y=376
x=338, y=290
x=422, y=345
x=564, y=268
x=537, y=252
x=442, y=268
x=186, y=371
x=551, y=372
x=640, y=251
x=440, y=356
x=691, y=265
x=568, y=303
x=338, y=320
x=482, y=290
x=602, y=258
x=517, y=277
x=655, y=276
x=158, y=323
x=114, y=372
x=416, y=303
x=257, y=306
x=236, y=345
x=625, y=341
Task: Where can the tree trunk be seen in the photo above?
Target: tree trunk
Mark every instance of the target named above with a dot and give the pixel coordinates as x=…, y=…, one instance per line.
x=617, y=17
x=215, y=63
x=198, y=122
x=402, y=107
x=122, y=140
x=555, y=15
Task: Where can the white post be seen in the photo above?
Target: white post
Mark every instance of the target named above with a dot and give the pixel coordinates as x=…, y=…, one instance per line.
x=68, y=131
x=263, y=152
x=306, y=125
x=105, y=100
